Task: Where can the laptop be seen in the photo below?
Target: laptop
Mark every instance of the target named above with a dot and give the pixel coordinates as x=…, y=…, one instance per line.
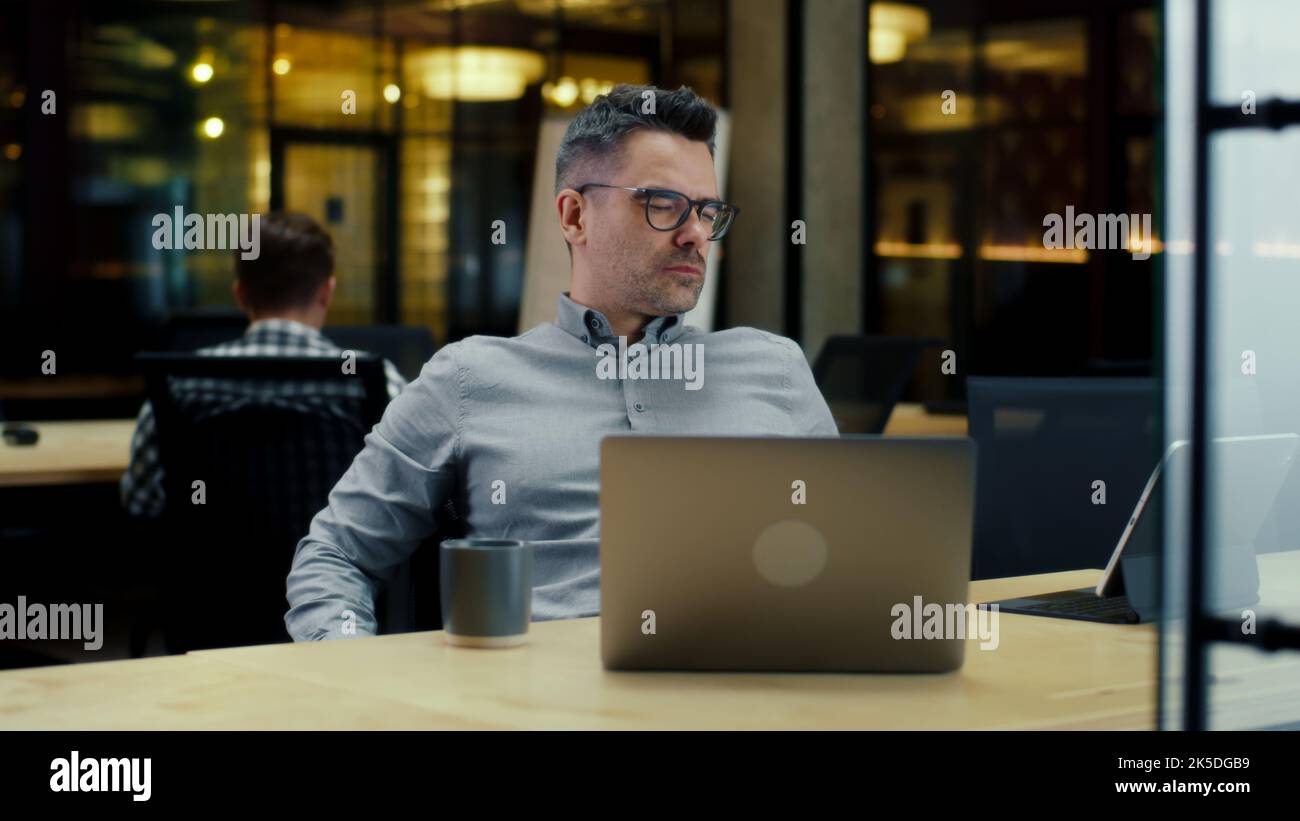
x=781, y=554
x=1130, y=590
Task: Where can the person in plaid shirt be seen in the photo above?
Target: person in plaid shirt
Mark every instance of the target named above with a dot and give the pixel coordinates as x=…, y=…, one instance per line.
x=286, y=293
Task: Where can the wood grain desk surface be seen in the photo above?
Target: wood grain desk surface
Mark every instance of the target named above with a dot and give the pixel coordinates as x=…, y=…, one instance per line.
x=909, y=419
x=1046, y=673
x=72, y=386
x=72, y=452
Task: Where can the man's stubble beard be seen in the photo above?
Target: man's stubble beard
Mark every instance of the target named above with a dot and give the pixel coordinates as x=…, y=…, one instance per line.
x=654, y=291
x=661, y=295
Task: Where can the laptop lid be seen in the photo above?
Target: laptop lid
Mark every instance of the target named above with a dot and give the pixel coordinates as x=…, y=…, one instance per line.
x=780, y=553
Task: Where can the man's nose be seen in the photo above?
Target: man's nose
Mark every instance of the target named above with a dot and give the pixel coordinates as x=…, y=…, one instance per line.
x=694, y=232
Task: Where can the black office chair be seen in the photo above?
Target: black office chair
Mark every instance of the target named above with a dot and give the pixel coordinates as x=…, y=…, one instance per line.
x=268, y=437
x=1040, y=446
x=415, y=600
x=408, y=347
x=863, y=377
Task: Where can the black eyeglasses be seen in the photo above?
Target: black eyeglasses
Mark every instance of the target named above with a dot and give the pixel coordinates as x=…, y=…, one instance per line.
x=667, y=210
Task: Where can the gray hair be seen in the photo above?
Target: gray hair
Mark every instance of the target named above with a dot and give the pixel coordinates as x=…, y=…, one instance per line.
x=597, y=132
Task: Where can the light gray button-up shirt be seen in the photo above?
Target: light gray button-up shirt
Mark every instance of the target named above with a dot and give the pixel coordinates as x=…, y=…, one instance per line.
x=509, y=429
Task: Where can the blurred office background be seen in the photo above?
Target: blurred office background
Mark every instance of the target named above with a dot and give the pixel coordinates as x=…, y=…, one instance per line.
x=923, y=221
x=919, y=223
x=237, y=107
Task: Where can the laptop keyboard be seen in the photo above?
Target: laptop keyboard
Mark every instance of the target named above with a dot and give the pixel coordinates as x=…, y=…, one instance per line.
x=1075, y=604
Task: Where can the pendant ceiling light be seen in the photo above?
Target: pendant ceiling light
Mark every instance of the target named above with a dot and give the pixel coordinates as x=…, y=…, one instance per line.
x=893, y=26
x=476, y=73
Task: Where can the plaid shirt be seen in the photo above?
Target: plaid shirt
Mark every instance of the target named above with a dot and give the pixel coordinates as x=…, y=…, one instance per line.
x=141, y=487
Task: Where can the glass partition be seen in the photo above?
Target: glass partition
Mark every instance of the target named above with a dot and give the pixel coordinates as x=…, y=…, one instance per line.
x=1235, y=525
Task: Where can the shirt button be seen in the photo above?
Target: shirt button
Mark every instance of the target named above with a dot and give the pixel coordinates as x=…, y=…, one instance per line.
x=639, y=407
x=584, y=337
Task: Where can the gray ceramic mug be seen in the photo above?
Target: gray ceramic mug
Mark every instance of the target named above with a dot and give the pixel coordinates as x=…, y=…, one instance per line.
x=487, y=591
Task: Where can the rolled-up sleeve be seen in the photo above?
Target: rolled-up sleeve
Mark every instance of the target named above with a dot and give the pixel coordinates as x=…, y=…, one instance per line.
x=381, y=509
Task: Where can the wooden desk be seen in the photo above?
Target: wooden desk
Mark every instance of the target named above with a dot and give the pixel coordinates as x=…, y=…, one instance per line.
x=183, y=692
x=910, y=419
x=1045, y=673
x=69, y=453
x=72, y=386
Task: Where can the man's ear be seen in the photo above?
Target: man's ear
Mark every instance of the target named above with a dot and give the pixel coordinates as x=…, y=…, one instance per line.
x=326, y=293
x=571, y=207
x=237, y=288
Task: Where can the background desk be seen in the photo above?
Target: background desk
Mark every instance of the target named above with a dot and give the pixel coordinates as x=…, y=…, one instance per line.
x=1045, y=673
x=909, y=419
x=77, y=452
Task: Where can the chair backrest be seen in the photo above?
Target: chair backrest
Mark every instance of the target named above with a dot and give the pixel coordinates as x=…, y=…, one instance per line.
x=408, y=347
x=863, y=377
x=1041, y=445
x=267, y=438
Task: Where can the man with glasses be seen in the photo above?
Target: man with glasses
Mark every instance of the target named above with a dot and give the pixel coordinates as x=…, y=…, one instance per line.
x=508, y=431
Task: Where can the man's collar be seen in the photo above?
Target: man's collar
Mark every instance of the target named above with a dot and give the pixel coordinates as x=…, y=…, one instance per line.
x=290, y=326
x=593, y=327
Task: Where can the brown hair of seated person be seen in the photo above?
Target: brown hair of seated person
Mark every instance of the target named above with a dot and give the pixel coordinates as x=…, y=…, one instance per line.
x=293, y=275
